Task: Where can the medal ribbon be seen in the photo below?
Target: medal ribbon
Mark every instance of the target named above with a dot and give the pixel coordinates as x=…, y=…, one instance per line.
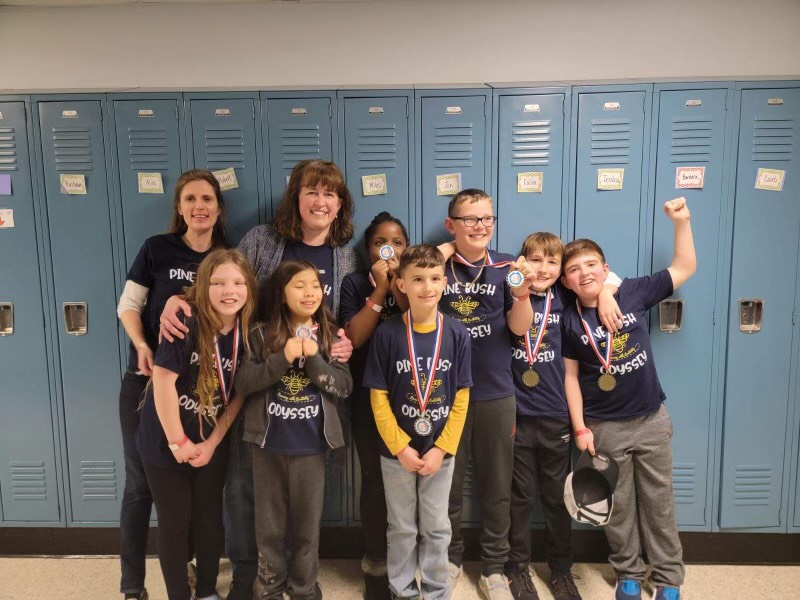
x=223, y=388
x=487, y=263
x=532, y=347
x=606, y=362
x=412, y=354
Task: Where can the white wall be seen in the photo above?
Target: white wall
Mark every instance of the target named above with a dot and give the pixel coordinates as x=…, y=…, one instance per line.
x=410, y=42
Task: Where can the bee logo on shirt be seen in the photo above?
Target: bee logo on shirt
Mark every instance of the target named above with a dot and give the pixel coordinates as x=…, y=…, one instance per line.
x=464, y=306
x=412, y=397
x=619, y=345
x=295, y=382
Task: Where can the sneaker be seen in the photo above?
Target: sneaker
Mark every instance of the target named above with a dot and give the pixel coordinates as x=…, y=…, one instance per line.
x=564, y=587
x=453, y=574
x=376, y=587
x=213, y=596
x=628, y=589
x=240, y=591
x=521, y=585
x=137, y=595
x=495, y=587
x=664, y=592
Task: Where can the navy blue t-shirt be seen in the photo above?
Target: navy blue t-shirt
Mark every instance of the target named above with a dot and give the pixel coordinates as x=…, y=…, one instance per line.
x=181, y=357
x=165, y=265
x=481, y=307
x=389, y=368
x=637, y=391
x=547, y=398
x=319, y=256
x=355, y=290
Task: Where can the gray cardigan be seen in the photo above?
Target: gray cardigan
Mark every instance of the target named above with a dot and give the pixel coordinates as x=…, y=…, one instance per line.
x=263, y=247
x=255, y=375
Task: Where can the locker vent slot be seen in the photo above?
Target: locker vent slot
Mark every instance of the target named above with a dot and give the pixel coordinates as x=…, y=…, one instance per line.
x=99, y=480
x=684, y=483
x=148, y=149
x=224, y=147
x=691, y=139
x=28, y=481
x=452, y=145
x=299, y=142
x=773, y=139
x=611, y=142
x=73, y=149
x=377, y=146
x=753, y=485
x=530, y=143
x=8, y=149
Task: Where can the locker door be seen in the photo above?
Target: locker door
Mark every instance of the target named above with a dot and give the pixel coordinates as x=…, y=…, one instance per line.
x=530, y=165
x=765, y=240
x=454, y=144
x=376, y=144
x=28, y=486
x=299, y=129
x=611, y=139
x=148, y=141
x=83, y=274
x=691, y=133
x=224, y=137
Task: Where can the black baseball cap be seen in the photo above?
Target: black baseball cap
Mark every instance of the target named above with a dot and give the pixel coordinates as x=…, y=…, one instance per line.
x=589, y=489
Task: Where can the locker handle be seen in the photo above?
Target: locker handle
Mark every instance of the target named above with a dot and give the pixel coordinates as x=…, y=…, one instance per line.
x=6, y=318
x=76, y=318
x=670, y=315
x=751, y=314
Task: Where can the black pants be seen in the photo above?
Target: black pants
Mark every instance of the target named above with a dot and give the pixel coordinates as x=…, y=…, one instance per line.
x=372, y=501
x=189, y=499
x=541, y=460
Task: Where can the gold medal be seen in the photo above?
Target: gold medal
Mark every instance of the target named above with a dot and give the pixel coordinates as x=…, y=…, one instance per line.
x=530, y=378
x=607, y=382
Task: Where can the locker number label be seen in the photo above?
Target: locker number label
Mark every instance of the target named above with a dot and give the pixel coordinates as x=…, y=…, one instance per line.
x=691, y=178
x=73, y=184
x=150, y=183
x=227, y=179
x=610, y=179
x=374, y=185
x=448, y=185
x=530, y=182
x=770, y=180
x=6, y=218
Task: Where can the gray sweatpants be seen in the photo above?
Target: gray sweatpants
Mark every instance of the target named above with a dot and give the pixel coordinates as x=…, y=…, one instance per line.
x=644, y=509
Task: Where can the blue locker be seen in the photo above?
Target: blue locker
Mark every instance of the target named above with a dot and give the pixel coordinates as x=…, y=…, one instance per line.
x=376, y=159
x=147, y=141
x=73, y=157
x=611, y=137
x=692, y=127
x=223, y=133
x=28, y=476
x=764, y=265
x=454, y=147
x=529, y=167
x=298, y=129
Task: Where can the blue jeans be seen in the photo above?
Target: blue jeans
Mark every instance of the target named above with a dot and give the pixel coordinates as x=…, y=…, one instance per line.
x=417, y=504
x=238, y=510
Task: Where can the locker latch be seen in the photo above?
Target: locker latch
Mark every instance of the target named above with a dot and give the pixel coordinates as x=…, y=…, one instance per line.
x=670, y=315
x=75, y=318
x=751, y=313
x=6, y=318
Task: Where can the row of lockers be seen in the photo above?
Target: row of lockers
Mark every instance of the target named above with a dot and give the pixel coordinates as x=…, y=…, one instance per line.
x=81, y=180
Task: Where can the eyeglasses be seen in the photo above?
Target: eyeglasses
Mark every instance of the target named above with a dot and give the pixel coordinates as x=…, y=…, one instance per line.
x=473, y=221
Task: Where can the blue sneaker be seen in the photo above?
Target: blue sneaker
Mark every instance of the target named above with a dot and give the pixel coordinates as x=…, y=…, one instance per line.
x=628, y=589
x=664, y=592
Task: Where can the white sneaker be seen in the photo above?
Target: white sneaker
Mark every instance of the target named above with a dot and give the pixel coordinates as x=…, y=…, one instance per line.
x=495, y=587
x=453, y=574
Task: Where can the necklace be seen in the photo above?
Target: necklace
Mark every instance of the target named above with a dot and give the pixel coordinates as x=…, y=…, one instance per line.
x=480, y=271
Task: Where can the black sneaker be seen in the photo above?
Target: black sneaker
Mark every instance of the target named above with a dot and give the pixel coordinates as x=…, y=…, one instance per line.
x=376, y=587
x=521, y=585
x=240, y=591
x=137, y=595
x=564, y=587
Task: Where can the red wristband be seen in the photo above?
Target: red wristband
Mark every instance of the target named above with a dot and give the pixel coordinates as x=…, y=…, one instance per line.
x=583, y=431
x=181, y=443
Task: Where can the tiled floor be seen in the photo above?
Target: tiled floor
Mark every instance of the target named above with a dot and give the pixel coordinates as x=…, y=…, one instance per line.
x=98, y=579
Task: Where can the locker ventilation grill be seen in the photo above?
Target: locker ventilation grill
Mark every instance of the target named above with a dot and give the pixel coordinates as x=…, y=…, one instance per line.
x=99, y=480
x=299, y=142
x=73, y=148
x=683, y=483
x=530, y=143
x=377, y=146
x=224, y=147
x=773, y=139
x=8, y=149
x=28, y=481
x=148, y=148
x=452, y=145
x=691, y=140
x=611, y=142
x=753, y=485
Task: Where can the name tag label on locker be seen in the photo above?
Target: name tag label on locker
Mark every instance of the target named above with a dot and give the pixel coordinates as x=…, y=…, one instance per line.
x=227, y=179
x=374, y=185
x=6, y=218
x=222, y=112
x=611, y=106
x=146, y=112
x=690, y=178
x=299, y=111
x=453, y=110
x=69, y=114
x=150, y=183
x=448, y=184
x=530, y=182
x=610, y=179
x=73, y=184
x=375, y=110
x=770, y=180
x=532, y=108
